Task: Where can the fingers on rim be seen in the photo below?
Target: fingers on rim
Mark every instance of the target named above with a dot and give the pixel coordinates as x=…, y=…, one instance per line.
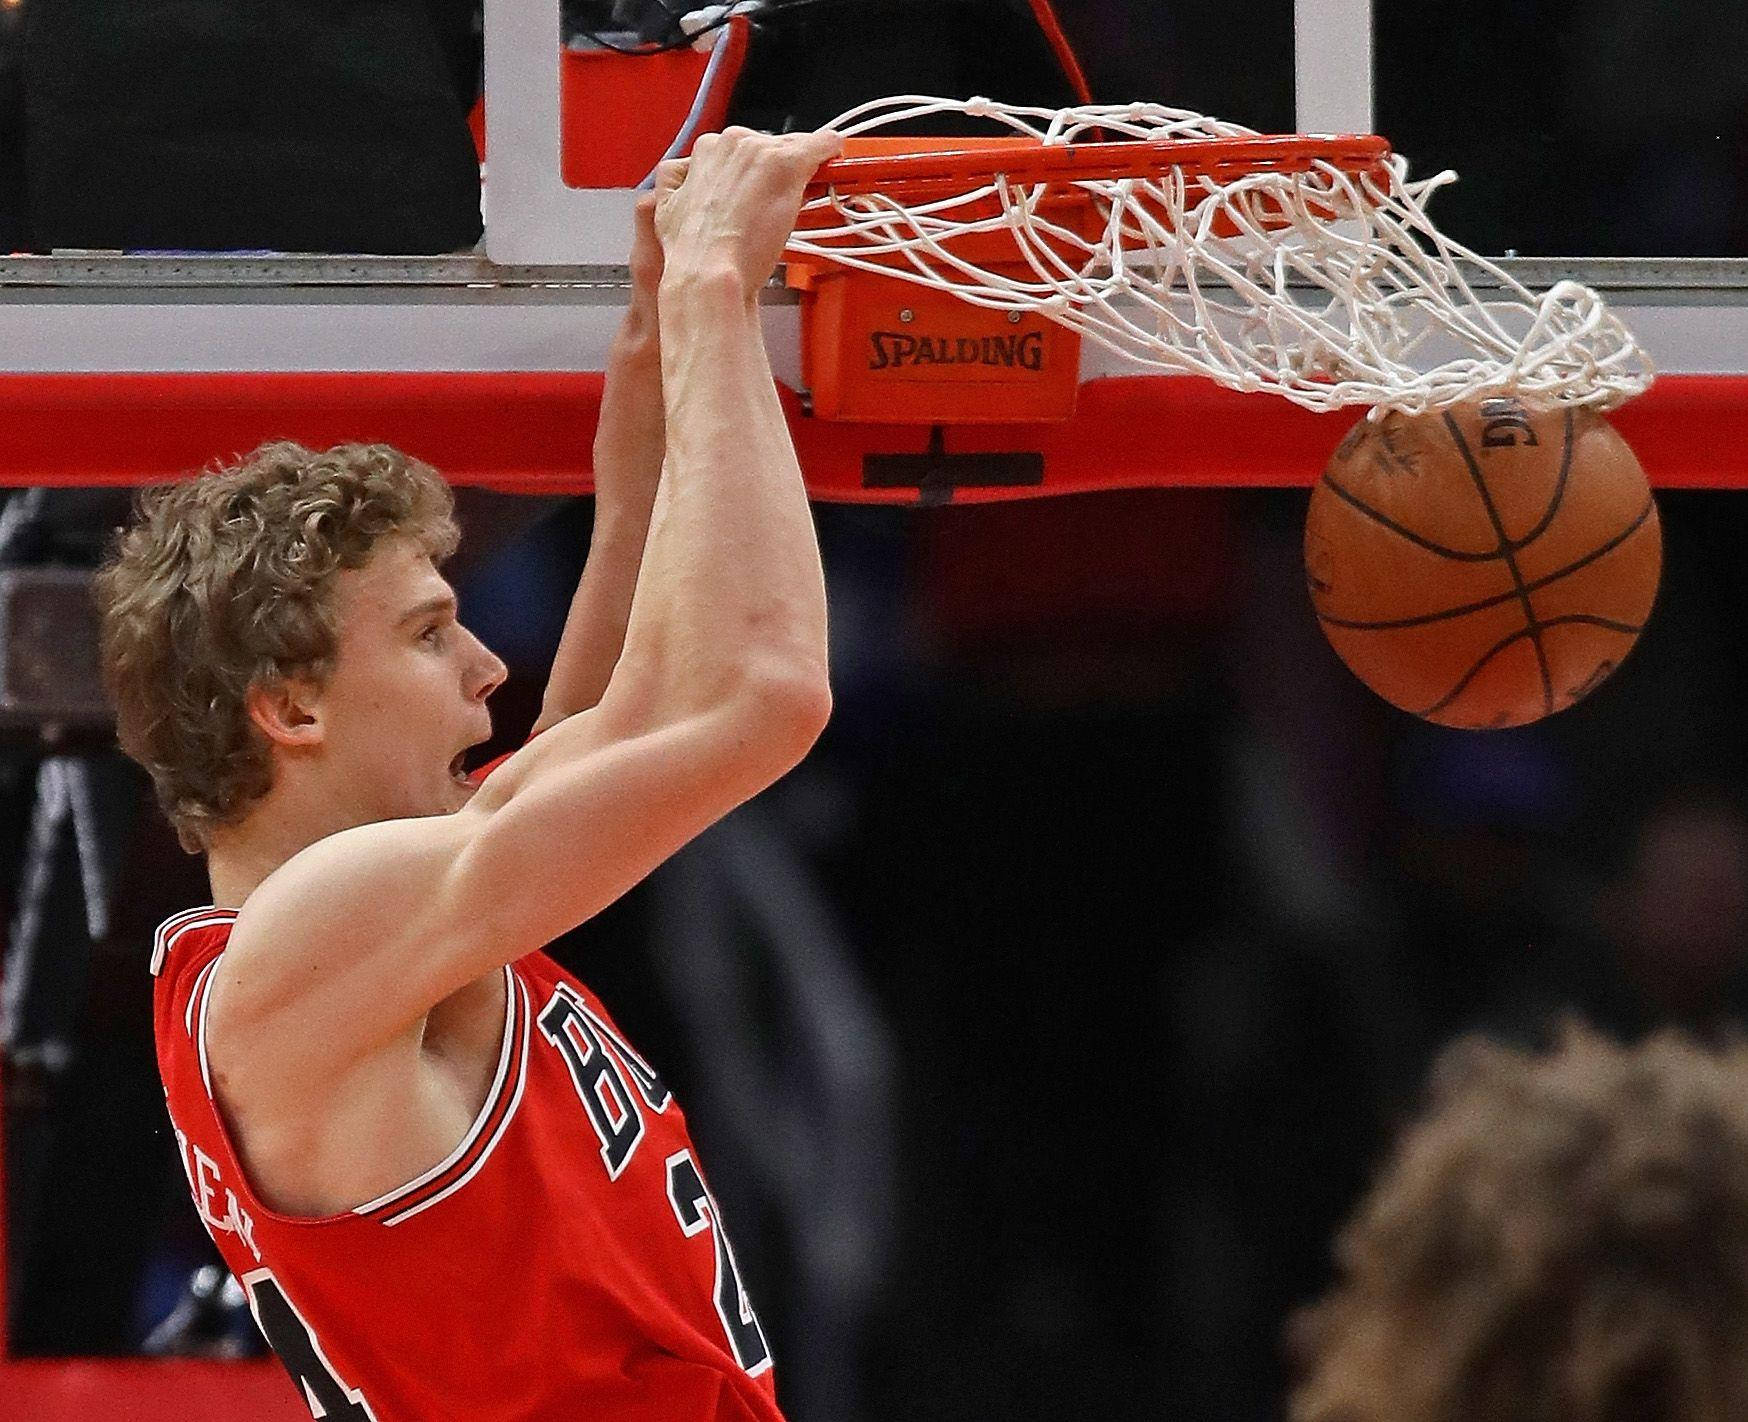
x=804, y=151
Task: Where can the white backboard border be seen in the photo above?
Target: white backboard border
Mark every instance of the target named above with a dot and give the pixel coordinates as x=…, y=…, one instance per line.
x=531, y=217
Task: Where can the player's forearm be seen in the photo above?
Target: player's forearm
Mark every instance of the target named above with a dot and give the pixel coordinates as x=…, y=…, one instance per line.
x=731, y=584
x=629, y=445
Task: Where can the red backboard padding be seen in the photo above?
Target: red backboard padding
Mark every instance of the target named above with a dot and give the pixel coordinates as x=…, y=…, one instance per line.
x=532, y=433
x=84, y=1390
x=643, y=102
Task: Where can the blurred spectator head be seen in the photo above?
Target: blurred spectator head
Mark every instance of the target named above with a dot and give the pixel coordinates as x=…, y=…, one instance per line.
x=1680, y=908
x=1562, y=1235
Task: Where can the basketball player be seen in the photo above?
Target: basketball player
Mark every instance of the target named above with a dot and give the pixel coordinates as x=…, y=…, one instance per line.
x=1562, y=1236
x=450, y=1186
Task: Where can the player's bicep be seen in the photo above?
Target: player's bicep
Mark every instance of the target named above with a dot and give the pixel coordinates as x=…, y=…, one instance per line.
x=571, y=839
x=325, y=964
x=355, y=939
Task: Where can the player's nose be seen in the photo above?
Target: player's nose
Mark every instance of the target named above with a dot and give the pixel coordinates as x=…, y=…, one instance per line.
x=486, y=671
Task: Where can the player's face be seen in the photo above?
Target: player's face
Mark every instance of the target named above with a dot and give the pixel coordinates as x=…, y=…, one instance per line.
x=408, y=693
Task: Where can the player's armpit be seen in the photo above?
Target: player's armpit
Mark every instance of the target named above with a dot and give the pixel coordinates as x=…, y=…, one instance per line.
x=350, y=943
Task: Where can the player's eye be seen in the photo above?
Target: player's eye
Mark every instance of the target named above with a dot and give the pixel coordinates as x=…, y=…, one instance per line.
x=433, y=634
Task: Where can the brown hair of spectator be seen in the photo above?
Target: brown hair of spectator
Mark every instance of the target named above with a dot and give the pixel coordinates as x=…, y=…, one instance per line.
x=223, y=582
x=1563, y=1237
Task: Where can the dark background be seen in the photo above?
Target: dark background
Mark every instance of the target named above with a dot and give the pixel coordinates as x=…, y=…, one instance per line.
x=1612, y=129
x=1161, y=913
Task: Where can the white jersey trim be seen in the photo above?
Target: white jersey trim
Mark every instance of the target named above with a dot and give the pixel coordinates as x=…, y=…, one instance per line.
x=194, y=995
x=200, y=1029
x=172, y=929
x=513, y=995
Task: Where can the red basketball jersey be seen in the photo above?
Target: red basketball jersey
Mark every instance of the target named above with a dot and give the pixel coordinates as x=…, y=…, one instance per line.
x=567, y=1260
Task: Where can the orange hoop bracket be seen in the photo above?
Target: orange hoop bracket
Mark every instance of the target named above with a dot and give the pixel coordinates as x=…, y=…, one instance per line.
x=876, y=348
x=881, y=350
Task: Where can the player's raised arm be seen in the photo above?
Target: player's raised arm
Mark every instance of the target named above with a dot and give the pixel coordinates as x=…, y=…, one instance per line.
x=722, y=686
x=630, y=443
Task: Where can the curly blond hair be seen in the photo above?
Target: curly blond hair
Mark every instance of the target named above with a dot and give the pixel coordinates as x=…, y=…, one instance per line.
x=223, y=582
x=1562, y=1238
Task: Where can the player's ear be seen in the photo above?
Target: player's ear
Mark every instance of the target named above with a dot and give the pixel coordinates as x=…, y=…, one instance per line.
x=285, y=712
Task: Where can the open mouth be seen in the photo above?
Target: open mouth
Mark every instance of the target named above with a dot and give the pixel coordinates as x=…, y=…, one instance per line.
x=458, y=767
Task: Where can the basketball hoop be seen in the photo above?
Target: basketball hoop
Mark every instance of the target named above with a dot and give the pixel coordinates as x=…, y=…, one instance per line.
x=1302, y=265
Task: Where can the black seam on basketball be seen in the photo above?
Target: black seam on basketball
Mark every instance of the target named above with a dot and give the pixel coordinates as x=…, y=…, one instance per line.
x=1590, y=619
x=1359, y=505
x=1559, y=492
x=1505, y=551
x=1473, y=672
x=1607, y=623
x=1457, y=555
x=1545, y=580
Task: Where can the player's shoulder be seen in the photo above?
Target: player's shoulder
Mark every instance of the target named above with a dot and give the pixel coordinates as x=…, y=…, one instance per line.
x=186, y=950
x=368, y=883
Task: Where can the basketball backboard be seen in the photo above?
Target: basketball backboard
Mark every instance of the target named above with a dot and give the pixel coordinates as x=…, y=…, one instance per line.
x=1574, y=162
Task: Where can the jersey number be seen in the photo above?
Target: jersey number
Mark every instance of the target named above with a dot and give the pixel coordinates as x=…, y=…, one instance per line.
x=696, y=1209
x=321, y=1388
x=612, y=1080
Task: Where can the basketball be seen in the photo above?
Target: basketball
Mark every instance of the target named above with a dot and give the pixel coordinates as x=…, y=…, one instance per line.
x=1483, y=566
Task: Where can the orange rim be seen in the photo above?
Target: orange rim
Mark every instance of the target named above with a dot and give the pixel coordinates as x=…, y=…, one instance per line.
x=940, y=172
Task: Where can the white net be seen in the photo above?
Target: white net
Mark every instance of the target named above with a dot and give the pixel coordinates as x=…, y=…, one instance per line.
x=1324, y=286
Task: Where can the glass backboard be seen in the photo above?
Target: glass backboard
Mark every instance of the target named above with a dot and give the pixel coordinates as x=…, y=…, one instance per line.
x=1591, y=143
